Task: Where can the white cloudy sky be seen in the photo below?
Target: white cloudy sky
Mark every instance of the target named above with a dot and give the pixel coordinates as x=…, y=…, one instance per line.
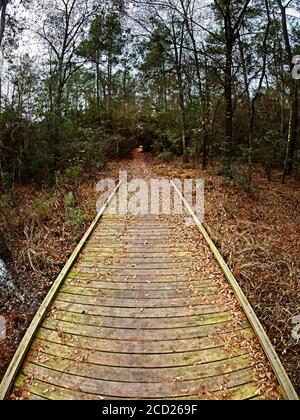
x=31, y=45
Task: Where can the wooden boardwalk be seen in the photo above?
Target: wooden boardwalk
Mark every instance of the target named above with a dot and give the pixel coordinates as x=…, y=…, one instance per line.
x=129, y=321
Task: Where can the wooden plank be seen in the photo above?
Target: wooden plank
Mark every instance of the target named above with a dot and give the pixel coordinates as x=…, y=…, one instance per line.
x=153, y=266
x=142, y=286
x=133, y=242
x=37, y=320
x=138, y=335
x=137, y=303
x=216, y=357
x=238, y=393
x=129, y=236
x=168, y=347
x=44, y=389
x=34, y=397
x=141, y=323
x=136, y=278
x=137, y=245
x=133, y=271
x=217, y=364
x=136, y=251
x=242, y=392
x=136, y=312
x=132, y=254
x=138, y=390
x=286, y=385
x=137, y=294
x=124, y=261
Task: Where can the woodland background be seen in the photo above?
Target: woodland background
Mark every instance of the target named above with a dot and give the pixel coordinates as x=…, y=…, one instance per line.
x=208, y=80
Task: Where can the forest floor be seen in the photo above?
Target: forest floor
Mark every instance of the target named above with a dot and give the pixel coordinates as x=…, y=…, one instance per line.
x=258, y=236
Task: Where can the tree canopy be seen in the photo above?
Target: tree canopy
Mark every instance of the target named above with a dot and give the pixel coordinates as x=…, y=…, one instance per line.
x=205, y=80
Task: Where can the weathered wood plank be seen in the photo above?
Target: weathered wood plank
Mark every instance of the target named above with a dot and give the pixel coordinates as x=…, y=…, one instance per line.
x=200, y=370
x=136, y=312
x=135, y=278
x=137, y=294
x=141, y=323
x=138, y=390
x=215, y=359
x=122, y=285
x=242, y=392
x=128, y=334
x=137, y=303
x=134, y=271
x=164, y=261
x=168, y=347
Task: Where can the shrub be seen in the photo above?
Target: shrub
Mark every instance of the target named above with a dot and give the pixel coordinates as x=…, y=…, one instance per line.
x=42, y=210
x=72, y=175
x=31, y=151
x=165, y=157
x=74, y=218
x=167, y=140
x=73, y=215
x=70, y=200
x=90, y=148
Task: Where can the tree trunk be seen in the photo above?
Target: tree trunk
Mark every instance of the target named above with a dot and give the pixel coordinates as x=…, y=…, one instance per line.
x=165, y=87
x=203, y=100
x=109, y=90
x=4, y=4
x=124, y=92
x=294, y=101
x=292, y=136
x=206, y=120
x=182, y=107
x=2, y=29
x=182, y=115
x=252, y=101
x=0, y=89
x=228, y=104
x=98, y=91
x=4, y=251
x=178, y=51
